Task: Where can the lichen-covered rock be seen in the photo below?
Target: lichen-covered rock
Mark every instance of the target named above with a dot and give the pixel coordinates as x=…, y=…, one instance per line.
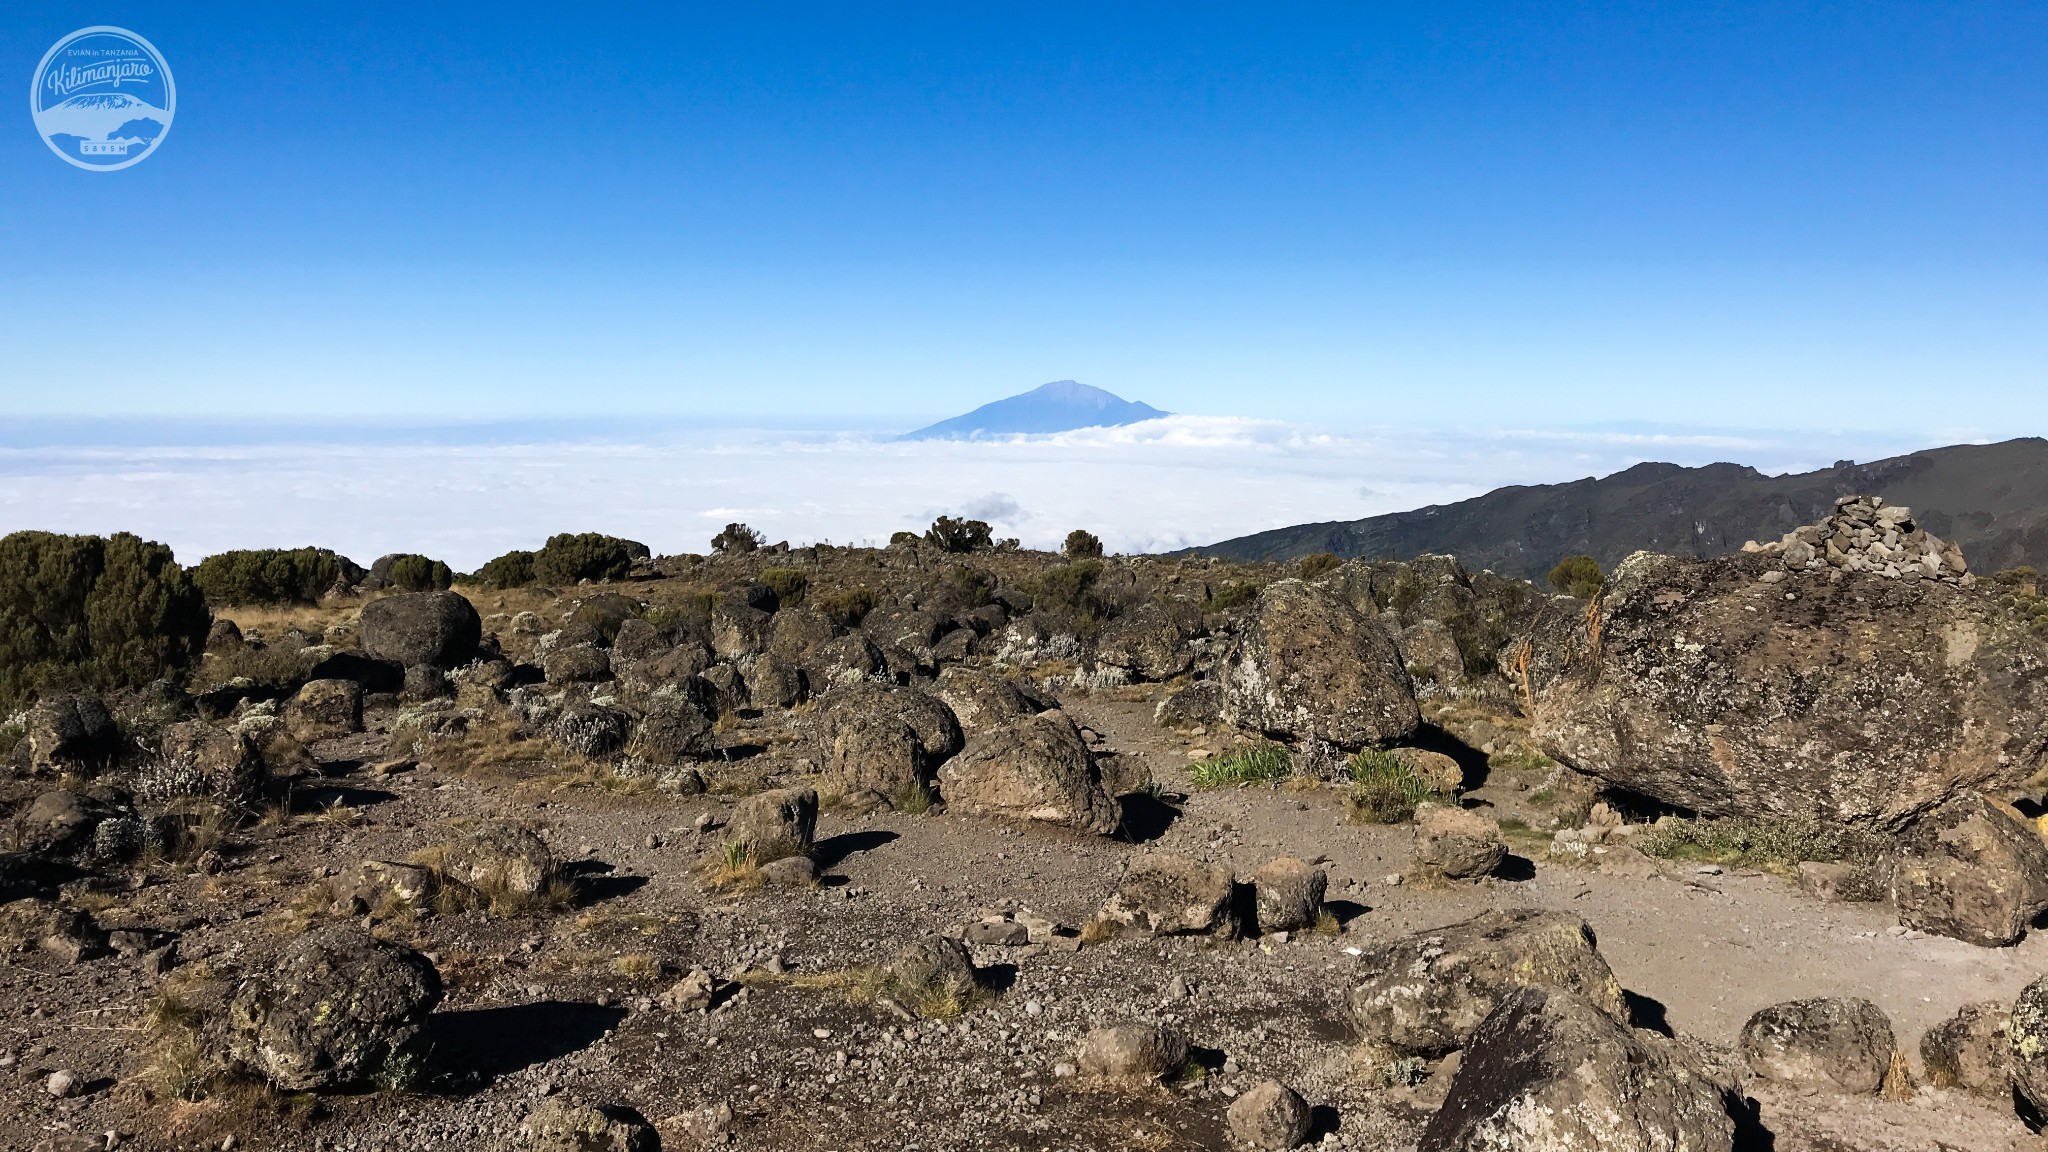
x=1271, y=1116
x=58, y=822
x=1457, y=843
x=1550, y=1071
x=576, y=664
x=775, y=824
x=1036, y=769
x=67, y=730
x=2026, y=1043
x=875, y=753
x=1308, y=665
x=1288, y=894
x=984, y=702
x=934, y=730
x=1430, y=650
x=1150, y=643
x=338, y=1009
x=1165, y=894
x=1972, y=869
x=1840, y=1044
x=563, y=1124
x=1133, y=1053
x=196, y=759
x=324, y=709
x=930, y=972
x=499, y=856
x=1857, y=700
x=1969, y=1051
x=675, y=727
x=440, y=629
x=1422, y=995
x=1196, y=706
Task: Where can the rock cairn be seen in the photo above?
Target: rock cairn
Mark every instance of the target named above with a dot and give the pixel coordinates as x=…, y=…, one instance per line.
x=1867, y=535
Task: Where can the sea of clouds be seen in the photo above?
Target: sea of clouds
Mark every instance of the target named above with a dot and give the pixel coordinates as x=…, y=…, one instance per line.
x=1159, y=485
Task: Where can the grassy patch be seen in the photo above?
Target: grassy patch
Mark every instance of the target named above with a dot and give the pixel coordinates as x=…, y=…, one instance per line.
x=1257, y=765
x=1384, y=789
x=937, y=1000
x=736, y=869
x=1778, y=845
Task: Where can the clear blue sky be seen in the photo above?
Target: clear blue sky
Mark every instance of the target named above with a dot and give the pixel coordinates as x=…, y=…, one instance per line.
x=1774, y=214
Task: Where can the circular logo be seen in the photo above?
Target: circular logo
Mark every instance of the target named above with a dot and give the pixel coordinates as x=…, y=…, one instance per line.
x=102, y=98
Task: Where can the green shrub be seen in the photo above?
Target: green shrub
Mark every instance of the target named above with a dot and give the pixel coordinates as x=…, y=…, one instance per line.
x=849, y=606
x=1317, y=565
x=736, y=539
x=512, y=570
x=273, y=575
x=788, y=584
x=1256, y=765
x=1384, y=789
x=93, y=613
x=1069, y=587
x=1578, y=576
x=1235, y=594
x=415, y=573
x=1082, y=545
x=949, y=534
x=569, y=557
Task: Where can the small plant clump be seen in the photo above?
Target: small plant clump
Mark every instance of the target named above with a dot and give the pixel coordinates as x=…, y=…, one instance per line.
x=848, y=606
x=736, y=539
x=1261, y=764
x=1578, y=576
x=1082, y=544
x=273, y=575
x=415, y=573
x=512, y=570
x=571, y=557
x=1779, y=845
x=788, y=584
x=1384, y=789
x=1319, y=564
x=951, y=534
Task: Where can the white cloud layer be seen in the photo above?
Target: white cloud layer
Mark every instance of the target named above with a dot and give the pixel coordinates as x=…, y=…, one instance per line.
x=1163, y=484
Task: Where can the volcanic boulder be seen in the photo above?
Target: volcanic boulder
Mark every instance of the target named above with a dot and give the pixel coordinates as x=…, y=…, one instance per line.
x=437, y=628
x=339, y=1008
x=1731, y=687
x=1971, y=869
x=1037, y=768
x=1307, y=665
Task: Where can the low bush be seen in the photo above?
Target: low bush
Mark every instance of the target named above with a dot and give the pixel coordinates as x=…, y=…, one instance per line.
x=273, y=575
x=737, y=539
x=1068, y=588
x=1256, y=765
x=82, y=612
x=512, y=570
x=788, y=584
x=1235, y=594
x=415, y=573
x=1319, y=564
x=950, y=534
x=1082, y=544
x=1578, y=576
x=848, y=606
x=569, y=557
x=1773, y=844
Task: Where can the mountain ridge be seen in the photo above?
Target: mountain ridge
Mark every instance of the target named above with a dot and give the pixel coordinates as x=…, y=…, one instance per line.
x=1991, y=499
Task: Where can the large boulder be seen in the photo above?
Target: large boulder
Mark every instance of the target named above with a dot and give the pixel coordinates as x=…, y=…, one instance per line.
x=195, y=758
x=1971, y=869
x=1969, y=1051
x=1038, y=769
x=1550, y=1071
x=676, y=725
x=2026, y=1044
x=983, y=701
x=1165, y=894
x=499, y=856
x=775, y=824
x=875, y=753
x=67, y=730
x=323, y=709
x=1424, y=994
x=1149, y=642
x=930, y=719
x=1307, y=665
x=440, y=629
x=1288, y=894
x=338, y=1009
x=1732, y=687
x=1844, y=1045
x=1271, y=1116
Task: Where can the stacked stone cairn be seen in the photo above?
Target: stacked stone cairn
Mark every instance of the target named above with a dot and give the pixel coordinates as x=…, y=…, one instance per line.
x=1867, y=535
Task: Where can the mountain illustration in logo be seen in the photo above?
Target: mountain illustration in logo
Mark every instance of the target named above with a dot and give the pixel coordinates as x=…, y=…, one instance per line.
x=102, y=119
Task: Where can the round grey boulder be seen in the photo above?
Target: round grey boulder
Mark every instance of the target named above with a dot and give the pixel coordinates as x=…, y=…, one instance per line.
x=441, y=629
x=568, y=1125
x=338, y=1009
x=1844, y=1045
x=1134, y=1053
x=1271, y=1116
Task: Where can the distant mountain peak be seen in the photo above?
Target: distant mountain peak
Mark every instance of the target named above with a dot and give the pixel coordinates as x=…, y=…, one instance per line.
x=1061, y=406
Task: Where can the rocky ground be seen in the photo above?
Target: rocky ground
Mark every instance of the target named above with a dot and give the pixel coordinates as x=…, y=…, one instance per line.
x=726, y=1001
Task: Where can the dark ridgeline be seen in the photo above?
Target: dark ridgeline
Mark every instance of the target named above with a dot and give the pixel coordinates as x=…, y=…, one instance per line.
x=1992, y=499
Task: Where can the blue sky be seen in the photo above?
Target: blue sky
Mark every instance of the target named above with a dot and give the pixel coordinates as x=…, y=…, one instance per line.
x=1772, y=215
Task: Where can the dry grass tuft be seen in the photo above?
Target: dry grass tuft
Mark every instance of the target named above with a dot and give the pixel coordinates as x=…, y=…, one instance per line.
x=736, y=870
x=1099, y=931
x=1898, y=1078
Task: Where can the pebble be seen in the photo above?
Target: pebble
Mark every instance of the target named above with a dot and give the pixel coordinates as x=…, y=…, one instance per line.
x=63, y=1084
x=1393, y=881
x=1033, y=1008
